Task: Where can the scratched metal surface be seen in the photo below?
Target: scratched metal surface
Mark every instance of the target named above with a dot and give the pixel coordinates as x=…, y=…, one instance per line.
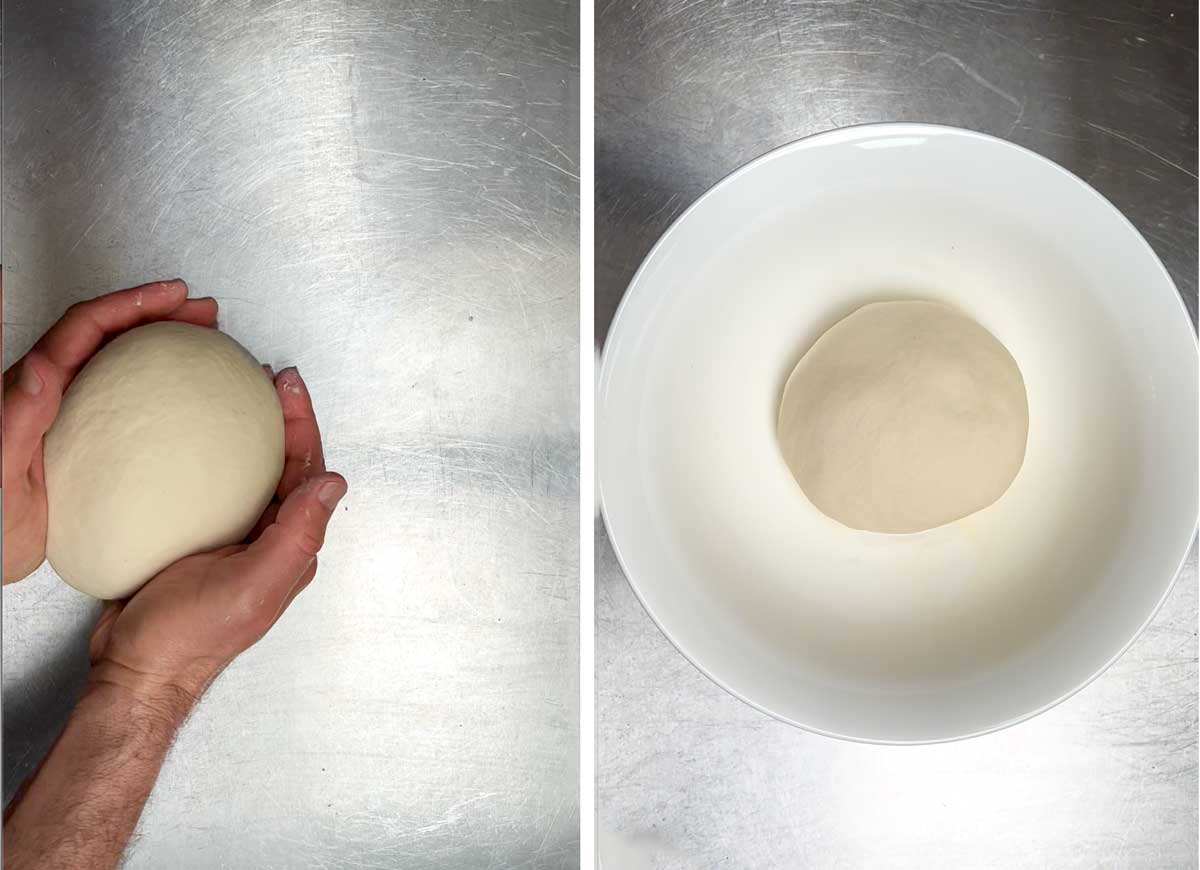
x=691, y=777
x=385, y=194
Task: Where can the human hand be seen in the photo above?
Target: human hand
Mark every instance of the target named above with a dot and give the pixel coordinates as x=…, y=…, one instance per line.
x=33, y=392
x=179, y=631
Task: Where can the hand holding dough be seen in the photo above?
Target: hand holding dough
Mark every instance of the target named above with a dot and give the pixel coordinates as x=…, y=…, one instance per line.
x=904, y=416
x=169, y=442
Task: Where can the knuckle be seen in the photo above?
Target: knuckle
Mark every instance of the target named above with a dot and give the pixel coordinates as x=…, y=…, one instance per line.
x=302, y=539
x=306, y=539
x=311, y=543
x=249, y=609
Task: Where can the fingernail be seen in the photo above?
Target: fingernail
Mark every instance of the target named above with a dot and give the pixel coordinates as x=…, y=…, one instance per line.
x=331, y=493
x=172, y=287
x=31, y=381
x=291, y=381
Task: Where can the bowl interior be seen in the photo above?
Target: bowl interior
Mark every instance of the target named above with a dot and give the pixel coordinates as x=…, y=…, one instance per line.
x=904, y=638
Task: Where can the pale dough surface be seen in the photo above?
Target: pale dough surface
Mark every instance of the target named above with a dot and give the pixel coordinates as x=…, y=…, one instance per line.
x=904, y=416
x=169, y=442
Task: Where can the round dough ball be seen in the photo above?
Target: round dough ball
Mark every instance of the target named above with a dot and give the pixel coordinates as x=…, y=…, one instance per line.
x=904, y=416
x=169, y=443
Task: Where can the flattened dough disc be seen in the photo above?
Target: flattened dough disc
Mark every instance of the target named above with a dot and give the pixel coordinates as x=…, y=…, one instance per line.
x=904, y=416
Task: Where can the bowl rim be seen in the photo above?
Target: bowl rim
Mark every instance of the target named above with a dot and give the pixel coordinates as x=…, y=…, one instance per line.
x=848, y=134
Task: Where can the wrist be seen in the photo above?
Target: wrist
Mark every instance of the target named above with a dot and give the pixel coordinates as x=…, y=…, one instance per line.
x=148, y=695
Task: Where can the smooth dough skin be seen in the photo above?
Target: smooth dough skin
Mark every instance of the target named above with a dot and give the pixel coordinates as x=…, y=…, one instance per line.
x=904, y=416
x=168, y=443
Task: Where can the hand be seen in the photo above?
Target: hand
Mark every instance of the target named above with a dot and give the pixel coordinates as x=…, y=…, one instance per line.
x=33, y=392
x=176, y=634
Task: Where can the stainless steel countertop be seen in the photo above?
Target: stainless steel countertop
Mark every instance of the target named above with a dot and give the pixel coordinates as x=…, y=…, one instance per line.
x=385, y=194
x=687, y=92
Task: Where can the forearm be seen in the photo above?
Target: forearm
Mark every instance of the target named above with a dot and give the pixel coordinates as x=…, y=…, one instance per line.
x=82, y=805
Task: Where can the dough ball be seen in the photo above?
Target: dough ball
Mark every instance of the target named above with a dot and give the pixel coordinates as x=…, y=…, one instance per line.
x=169, y=442
x=904, y=416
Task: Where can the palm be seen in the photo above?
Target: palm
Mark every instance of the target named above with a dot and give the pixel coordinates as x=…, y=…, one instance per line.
x=169, y=613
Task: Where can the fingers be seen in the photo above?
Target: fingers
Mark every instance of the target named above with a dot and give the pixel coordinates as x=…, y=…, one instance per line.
x=81, y=331
x=271, y=567
x=298, y=533
x=201, y=312
x=32, y=396
x=303, y=455
x=85, y=327
x=33, y=388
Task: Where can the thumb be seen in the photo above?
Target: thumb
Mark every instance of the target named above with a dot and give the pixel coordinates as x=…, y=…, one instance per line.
x=33, y=393
x=287, y=548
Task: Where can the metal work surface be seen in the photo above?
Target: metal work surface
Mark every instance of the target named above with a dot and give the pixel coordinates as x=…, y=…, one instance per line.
x=386, y=195
x=689, y=777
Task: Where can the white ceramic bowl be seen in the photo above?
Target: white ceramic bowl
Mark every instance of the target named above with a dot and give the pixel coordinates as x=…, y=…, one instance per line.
x=899, y=638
